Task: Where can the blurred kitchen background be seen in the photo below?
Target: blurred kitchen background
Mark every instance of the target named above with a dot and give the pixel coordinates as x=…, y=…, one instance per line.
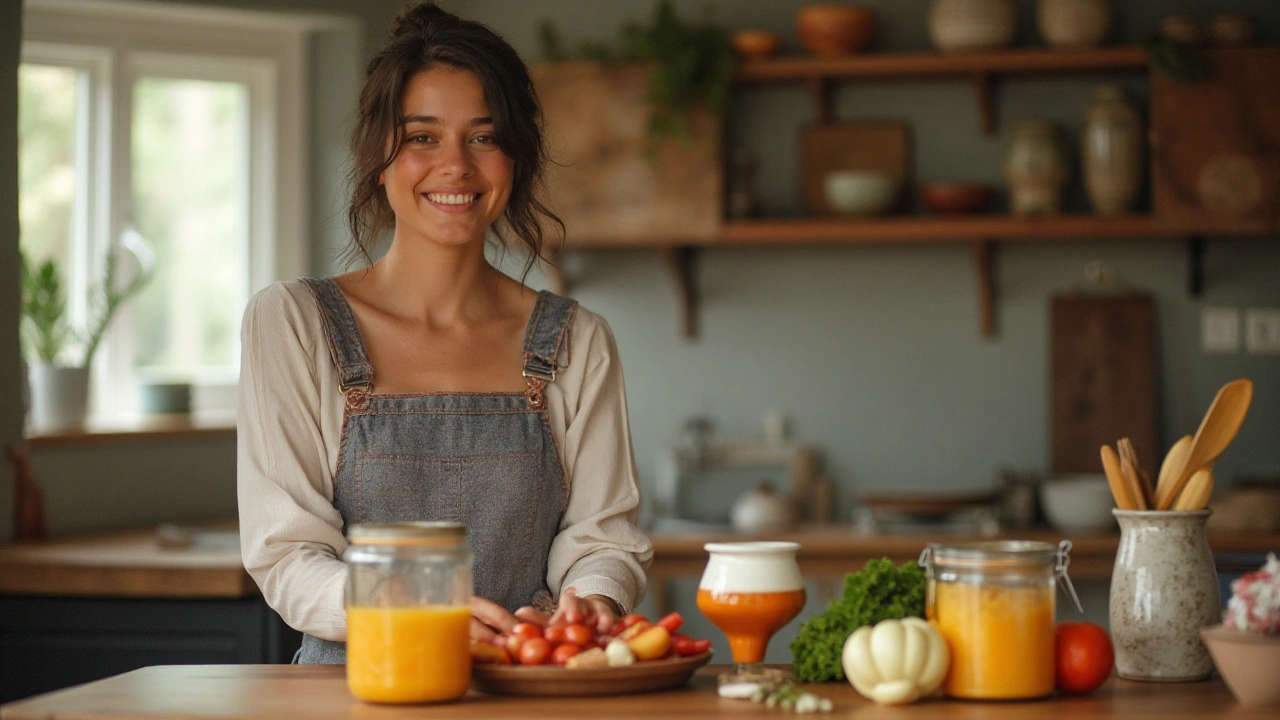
x=872, y=356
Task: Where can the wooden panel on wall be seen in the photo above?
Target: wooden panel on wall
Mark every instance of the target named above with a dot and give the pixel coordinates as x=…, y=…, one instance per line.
x=1216, y=144
x=1104, y=385
x=604, y=183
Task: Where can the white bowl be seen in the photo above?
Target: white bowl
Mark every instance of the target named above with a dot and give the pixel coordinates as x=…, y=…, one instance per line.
x=860, y=192
x=1078, y=503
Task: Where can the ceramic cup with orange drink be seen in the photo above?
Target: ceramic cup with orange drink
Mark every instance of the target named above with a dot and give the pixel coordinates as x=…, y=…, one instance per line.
x=408, y=612
x=750, y=590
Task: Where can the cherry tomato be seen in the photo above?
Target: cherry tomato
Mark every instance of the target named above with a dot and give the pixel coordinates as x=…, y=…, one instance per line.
x=554, y=634
x=1084, y=657
x=671, y=622
x=526, y=630
x=562, y=653
x=535, y=651
x=579, y=634
x=630, y=619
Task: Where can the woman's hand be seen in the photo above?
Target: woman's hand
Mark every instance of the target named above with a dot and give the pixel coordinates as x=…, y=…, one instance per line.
x=489, y=618
x=595, y=611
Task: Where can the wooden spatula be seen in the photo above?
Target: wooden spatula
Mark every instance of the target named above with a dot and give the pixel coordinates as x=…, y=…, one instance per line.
x=1125, y=499
x=1174, y=461
x=1219, y=427
x=1195, y=496
x=1134, y=475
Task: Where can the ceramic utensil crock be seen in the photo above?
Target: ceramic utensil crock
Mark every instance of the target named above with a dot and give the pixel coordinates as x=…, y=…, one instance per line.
x=1164, y=589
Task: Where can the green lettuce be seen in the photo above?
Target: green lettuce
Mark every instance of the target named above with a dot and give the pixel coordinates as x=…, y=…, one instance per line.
x=881, y=591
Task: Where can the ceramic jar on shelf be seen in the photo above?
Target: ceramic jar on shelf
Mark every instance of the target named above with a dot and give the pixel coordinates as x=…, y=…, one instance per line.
x=1073, y=23
x=1036, y=169
x=1111, y=152
x=960, y=25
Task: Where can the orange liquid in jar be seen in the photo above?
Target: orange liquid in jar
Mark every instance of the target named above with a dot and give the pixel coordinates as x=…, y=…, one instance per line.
x=408, y=655
x=1001, y=639
x=749, y=619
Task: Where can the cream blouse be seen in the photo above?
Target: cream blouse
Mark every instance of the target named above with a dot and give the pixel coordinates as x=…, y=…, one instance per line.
x=289, y=424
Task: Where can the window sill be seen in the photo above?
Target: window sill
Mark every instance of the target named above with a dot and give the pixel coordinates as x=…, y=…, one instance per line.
x=144, y=428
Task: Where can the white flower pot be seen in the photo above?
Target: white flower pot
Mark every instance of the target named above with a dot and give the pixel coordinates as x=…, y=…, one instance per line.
x=59, y=397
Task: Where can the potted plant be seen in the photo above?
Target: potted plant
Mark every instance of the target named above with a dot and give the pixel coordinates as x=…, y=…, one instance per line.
x=60, y=356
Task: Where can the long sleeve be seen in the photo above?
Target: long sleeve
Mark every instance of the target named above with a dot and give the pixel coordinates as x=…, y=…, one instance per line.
x=291, y=534
x=599, y=549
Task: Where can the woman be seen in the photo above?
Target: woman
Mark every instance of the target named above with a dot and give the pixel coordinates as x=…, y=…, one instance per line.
x=430, y=386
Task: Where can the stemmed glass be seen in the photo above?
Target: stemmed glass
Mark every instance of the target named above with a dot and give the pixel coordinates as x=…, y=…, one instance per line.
x=750, y=590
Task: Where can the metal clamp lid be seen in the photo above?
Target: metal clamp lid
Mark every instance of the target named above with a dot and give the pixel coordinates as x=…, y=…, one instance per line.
x=1060, y=572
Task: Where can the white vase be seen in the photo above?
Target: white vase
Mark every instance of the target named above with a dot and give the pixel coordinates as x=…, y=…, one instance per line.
x=59, y=396
x=1111, y=152
x=960, y=25
x=1073, y=23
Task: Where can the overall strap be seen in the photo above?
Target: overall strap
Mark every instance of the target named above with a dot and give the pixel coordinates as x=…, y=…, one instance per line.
x=345, y=345
x=546, y=335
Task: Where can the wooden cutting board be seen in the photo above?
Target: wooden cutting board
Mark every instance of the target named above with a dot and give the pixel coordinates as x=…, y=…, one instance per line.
x=1103, y=360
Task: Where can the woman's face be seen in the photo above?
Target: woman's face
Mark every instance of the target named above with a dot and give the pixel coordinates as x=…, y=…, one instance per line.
x=450, y=181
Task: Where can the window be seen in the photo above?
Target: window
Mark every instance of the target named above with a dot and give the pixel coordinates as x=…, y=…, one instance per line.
x=171, y=137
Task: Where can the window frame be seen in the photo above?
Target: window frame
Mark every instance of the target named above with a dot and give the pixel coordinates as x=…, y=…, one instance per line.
x=115, y=40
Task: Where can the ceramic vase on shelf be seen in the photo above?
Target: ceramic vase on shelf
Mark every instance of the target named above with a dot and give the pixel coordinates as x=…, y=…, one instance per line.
x=959, y=25
x=1036, y=169
x=1073, y=23
x=1111, y=152
x=1164, y=588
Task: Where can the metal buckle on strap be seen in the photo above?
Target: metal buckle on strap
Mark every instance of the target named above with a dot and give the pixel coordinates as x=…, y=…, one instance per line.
x=539, y=375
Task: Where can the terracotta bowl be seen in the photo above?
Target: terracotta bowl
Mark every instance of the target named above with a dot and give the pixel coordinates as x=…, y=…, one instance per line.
x=950, y=198
x=836, y=29
x=752, y=45
x=1248, y=663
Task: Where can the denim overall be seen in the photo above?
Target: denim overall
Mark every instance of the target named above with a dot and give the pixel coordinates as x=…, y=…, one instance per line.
x=484, y=459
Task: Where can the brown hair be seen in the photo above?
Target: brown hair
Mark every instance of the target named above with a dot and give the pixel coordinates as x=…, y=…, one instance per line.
x=422, y=37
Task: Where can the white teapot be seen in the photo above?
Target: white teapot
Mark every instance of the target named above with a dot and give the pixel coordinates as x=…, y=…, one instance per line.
x=761, y=511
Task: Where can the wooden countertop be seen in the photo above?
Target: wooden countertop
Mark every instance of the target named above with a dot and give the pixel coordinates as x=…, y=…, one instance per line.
x=125, y=564
x=282, y=692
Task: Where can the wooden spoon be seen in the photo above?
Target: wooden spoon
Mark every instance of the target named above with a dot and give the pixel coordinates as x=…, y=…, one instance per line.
x=1173, y=462
x=1217, y=430
x=1134, y=485
x=1195, y=496
x=1115, y=478
x=1137, y=478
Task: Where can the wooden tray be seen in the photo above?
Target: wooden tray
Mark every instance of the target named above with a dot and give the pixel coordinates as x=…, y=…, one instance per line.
x=548, y=680
x=884, y=146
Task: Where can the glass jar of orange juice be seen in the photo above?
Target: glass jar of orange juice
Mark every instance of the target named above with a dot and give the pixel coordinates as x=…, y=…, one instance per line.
x=994, y=603
x=408, y=612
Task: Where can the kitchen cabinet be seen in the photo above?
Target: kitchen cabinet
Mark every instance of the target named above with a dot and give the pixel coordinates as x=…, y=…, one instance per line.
x=315, y=692
x=83, y=608
x=981, y=231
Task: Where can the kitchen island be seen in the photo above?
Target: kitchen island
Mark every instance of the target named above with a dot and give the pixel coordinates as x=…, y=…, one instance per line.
x=282, y=692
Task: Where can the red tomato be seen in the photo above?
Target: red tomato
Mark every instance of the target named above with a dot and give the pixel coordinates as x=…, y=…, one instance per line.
x=671, y=622
x=535, y=651
x=561, y=654
x=630, y=619
x=1084, y=657
x=526, y=630
x=554, y=634
x=685, y=645
x=579, y=634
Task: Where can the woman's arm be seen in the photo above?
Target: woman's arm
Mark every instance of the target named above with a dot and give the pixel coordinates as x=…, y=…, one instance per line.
x=599, y=551
x=290, y=533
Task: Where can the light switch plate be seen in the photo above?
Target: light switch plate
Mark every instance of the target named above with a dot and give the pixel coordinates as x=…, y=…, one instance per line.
x=1220, y=330
x=1262, y=331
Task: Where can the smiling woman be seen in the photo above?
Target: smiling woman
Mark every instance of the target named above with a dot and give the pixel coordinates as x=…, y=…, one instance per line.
x=427, y=385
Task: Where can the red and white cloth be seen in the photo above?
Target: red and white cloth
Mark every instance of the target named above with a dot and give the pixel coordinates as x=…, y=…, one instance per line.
x=1255, y=600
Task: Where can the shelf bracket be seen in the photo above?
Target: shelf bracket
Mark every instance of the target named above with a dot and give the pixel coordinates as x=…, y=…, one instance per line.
x=982, y=260
x=986, y=102
x=681, y=262
x=1195, y=265
x=821, y=89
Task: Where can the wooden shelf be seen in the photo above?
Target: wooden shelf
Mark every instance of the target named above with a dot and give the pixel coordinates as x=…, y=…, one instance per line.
x=140, y=429
x=935, y=229
x=1018, y=61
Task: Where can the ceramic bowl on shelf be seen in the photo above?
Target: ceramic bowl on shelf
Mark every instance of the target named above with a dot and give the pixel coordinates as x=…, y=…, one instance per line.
x=753, y=45
x=860, y=192
x=1248, y=663
x=836, y=29
x=952, y=198
x=1078, y=503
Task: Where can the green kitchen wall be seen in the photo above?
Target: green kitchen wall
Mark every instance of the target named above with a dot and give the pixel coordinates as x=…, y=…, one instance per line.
x=873, y=352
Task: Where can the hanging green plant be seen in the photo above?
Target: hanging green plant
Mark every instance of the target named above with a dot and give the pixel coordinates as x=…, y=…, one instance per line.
x=1175, y=60
x=693, y=65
